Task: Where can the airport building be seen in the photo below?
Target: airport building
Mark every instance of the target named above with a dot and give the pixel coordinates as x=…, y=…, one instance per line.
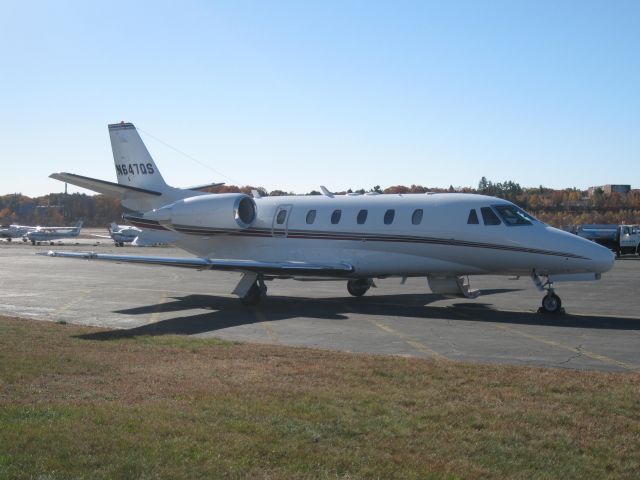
x=609, y=189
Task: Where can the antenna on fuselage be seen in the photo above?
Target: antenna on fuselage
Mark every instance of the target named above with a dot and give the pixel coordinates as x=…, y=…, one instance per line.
x=326, y=192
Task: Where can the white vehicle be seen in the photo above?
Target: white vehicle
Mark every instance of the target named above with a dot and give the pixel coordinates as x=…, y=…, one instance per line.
x=48, y=234
x=442, y=237
x=137, y=237
x=622, y=239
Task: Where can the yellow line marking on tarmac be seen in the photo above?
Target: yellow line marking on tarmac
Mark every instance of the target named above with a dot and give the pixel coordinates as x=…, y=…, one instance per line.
x=586, y=353
x=267, y=325
x=596, y=356
x=155, y=316
x=80, y=296
x=421, y=347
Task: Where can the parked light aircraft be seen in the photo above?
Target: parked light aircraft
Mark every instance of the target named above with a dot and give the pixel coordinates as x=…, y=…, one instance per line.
x=443, y=237
x=135, y=236
x=48, y=234
x=16, y=231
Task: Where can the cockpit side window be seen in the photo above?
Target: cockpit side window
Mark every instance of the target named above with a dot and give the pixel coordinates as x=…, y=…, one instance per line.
x=489, y=217
x=473, y=217
x=513, y=216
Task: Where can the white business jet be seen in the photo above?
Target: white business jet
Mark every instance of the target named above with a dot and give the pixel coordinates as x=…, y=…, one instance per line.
x=443, y=237
x=48, y=234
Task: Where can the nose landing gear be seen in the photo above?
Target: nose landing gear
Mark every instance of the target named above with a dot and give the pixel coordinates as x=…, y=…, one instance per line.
x=551, y=303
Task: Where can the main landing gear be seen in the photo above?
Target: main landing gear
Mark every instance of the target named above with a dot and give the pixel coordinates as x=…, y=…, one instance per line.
x=256, y=292
x=551, y=303
x=359, y=286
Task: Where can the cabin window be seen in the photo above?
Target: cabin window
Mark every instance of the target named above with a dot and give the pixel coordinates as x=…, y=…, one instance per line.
x=281, y=217
x=513, y=216
x=311, y=216
x=388, y=216
x=416, y=218
x=489, y=217
x=335, y=216
x=473, y=217
x=362, y=216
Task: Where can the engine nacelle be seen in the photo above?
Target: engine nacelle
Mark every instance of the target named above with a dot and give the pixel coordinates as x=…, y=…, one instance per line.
x=218, y=210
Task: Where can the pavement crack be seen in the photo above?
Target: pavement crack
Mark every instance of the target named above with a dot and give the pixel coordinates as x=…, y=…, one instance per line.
x=576, y=355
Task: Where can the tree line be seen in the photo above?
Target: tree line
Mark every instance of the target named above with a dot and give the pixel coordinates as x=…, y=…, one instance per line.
x=561, y=208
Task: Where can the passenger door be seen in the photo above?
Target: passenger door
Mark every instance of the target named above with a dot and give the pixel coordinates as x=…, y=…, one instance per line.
x=280, y=225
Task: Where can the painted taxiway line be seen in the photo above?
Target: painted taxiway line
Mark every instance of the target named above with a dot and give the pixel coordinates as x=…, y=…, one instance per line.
x=421, y=347
x=155, y=316
x=266, y=324
x=578, y=351
x=409, y=340
x=82, y=294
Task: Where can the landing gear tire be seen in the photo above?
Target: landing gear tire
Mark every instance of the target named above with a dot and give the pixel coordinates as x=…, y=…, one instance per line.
x=358, y=287
x=255, y=294
x=551, y=303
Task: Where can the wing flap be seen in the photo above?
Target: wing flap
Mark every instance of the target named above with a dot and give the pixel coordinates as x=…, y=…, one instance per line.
x=269, y=268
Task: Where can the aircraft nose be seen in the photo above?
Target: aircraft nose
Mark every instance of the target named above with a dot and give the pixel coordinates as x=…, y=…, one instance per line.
x=602, y=259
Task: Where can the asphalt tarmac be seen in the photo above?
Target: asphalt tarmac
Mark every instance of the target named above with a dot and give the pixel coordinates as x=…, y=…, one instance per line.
x=600, y=331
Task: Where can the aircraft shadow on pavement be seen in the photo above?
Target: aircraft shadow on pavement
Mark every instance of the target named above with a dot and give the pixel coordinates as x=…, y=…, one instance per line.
x=227, y=312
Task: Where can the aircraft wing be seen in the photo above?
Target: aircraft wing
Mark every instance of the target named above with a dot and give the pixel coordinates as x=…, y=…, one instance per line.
x=100, y=186
x=268, y=268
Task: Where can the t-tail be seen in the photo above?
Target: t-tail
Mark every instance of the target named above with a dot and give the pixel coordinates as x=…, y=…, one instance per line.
x=140, y=186
x=134, y=165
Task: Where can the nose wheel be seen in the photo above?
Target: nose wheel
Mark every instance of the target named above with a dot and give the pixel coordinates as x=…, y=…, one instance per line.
x=551, y=303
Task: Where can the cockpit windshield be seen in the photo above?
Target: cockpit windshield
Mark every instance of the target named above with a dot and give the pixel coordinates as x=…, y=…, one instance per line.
x=513, y=216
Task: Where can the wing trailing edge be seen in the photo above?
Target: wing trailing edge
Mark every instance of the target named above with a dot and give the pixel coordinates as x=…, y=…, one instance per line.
x=268, y=268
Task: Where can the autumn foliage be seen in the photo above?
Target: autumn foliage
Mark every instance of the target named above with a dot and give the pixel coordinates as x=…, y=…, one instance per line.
x=560, y=208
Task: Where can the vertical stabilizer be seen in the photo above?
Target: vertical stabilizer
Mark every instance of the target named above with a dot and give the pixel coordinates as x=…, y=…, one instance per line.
x=134, y=165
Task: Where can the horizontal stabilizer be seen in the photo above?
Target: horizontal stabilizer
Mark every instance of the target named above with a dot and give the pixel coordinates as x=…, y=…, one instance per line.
x=268, y=268
x=205, y=187
x=102, y=186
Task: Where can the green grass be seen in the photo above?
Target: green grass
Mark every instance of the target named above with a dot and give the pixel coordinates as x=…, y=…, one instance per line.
x=76, y=403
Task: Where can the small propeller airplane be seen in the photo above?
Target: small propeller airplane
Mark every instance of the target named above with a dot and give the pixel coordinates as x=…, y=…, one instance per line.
x=16, y=231
x=121, y=234
x=358, y=238
x=48, y=234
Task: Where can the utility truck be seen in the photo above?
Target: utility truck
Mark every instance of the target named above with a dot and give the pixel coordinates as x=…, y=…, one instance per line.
x=622, y=239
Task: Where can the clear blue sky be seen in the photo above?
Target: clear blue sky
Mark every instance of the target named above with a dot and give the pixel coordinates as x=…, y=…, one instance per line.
x=296, y=94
